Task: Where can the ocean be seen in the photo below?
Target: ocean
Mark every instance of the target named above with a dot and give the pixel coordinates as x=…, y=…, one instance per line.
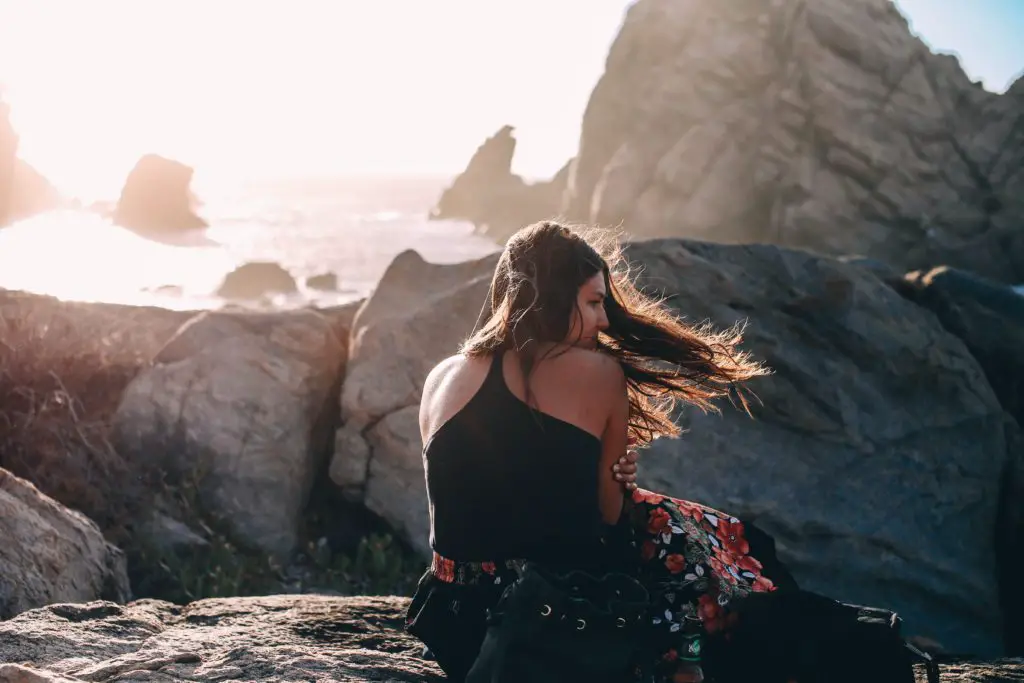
x=352, y=227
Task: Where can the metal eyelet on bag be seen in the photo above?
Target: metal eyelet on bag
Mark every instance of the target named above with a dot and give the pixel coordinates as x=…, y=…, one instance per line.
x=545, y=610
x=620, y=623
x=582, y=624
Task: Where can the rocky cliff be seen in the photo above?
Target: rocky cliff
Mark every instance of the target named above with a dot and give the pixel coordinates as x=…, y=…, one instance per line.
x=822, y=124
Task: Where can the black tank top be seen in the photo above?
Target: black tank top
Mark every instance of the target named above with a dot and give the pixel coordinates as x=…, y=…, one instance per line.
x=506, y=481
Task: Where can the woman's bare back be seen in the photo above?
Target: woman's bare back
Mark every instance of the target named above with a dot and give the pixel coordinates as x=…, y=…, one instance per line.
x=566, y=387
x=581, y=387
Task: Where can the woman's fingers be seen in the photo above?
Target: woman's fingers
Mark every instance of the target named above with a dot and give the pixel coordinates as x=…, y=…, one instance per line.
x=625, y=469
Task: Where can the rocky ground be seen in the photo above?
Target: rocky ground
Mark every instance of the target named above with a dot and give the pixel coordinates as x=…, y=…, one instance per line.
x=276, y=638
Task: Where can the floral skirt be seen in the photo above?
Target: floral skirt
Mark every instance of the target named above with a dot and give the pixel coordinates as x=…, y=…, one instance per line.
x=698, y=561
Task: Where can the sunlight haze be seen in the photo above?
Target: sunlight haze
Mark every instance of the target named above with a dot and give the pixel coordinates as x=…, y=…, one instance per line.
x=318, y=88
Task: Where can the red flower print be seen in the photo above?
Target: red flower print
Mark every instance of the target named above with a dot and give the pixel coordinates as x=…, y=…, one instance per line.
x=648, y=550
x=762, y=585
x=675, y=563
x=717, y=566
x=488, y=567
x=670, y=656
x=657, y=521
x=709, y=611
x=692, y=510
x=748, y=563
x=731, y=536
x=649, y=497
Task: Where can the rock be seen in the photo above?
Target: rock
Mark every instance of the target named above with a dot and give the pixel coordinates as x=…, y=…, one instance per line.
x=281, y=637
x=8, y=159
x=408, y=280
x=987, y=316
x=23, y=190
x=16, y=673
x=267, y=638
x=876, y=460
x=327, y=282
x=342, y=317
x=243, y=407
x=156, y=197
x=257, y=279
x=417, y=316
x=52, y=554
x=494, y=199
x=878, y=455
x=989, y=319
x=823, y=124
x=168, y=535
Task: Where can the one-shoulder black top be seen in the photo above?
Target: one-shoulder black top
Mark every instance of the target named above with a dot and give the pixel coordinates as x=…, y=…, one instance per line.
x=507, y=481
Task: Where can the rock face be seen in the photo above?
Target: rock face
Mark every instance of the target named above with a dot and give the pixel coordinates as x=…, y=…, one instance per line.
x=807, y=123
x=285, y=638
x=877, y=459
x=52, y=554
x=243, y=406
x=156, y=197
x=987, y=316
x=878, y=455
x=23, y=191
x=416, y=317
x=989, y=319
x=821, y=123
x=256, y=279
x=494, y=199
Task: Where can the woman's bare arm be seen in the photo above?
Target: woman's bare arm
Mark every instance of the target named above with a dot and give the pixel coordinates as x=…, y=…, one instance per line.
x=613, y=440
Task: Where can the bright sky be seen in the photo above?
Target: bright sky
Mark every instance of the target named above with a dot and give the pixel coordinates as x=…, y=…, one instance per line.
x=311, y=87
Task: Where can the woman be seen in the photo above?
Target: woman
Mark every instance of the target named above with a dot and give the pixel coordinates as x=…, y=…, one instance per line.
x=568, y=365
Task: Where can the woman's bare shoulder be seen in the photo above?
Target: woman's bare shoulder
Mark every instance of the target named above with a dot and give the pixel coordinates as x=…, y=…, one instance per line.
x=445, y=367
x=596, y=368
x=451, y=368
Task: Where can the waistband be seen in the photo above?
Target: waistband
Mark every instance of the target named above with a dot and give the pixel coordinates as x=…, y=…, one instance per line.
x=469, y=573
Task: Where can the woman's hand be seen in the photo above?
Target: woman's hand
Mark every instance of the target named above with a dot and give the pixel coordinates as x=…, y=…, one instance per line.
x=625, y=469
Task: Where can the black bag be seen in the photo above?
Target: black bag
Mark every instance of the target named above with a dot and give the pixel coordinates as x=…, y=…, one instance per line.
x=803, y=636
x=551, y=627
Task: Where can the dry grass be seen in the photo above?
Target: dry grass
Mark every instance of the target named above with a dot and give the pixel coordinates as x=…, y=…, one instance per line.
x=63, y=367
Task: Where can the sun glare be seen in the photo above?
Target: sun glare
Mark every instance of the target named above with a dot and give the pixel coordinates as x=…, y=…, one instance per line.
x=309, y=87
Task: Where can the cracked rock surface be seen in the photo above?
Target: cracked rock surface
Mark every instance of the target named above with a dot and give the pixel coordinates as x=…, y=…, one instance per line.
x=275, y=638
x=279, y=638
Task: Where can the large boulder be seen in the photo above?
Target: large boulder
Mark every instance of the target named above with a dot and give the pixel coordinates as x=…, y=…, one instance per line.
x=52, y=554
x=157, y=198
x=876, y=458
x=987, y=316
x=416, y=317
x=242, y=406
x=877, y=451
x=494, y=199
x=989, y=319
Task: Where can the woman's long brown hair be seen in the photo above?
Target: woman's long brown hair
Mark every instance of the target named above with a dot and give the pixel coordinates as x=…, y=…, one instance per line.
x=533, y=297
